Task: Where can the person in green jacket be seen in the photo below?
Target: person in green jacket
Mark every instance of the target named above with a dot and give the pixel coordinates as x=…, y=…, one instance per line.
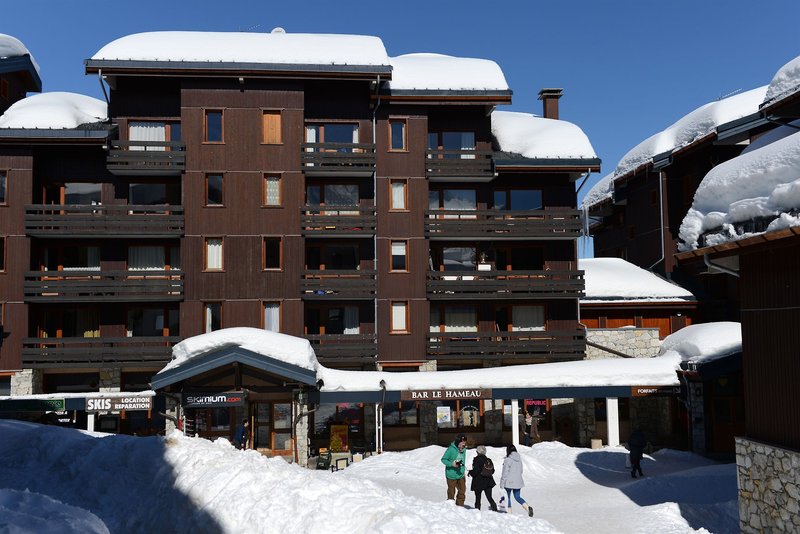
x=454, y=459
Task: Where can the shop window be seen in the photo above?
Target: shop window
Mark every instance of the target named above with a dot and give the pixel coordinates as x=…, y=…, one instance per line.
x=272, y=190
x=399, y=317
x=399, y=195
x=214, y=126
x=3, y=188
x=397, y=134
x=213, y=316
x=459, y=414
x=399, y=256
x=214, y=190
x=214, y=254
x=403, y=413
x=272, y=127
x=272, y=251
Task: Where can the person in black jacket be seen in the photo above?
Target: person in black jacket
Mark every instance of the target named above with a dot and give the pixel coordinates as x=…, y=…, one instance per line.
x=481, y=483
x=636, y=445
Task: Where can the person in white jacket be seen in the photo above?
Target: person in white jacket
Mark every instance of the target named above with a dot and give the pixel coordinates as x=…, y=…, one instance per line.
x=511, y=479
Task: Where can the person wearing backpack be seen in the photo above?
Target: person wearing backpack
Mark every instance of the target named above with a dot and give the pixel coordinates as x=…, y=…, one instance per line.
x=511, y=478
x=482, y=474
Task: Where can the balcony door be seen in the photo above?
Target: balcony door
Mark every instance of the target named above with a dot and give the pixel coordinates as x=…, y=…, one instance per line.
x=453, y=143
x=74, y=322
x=158, y=132
x=332, y=257
x=332, y=320
x=453, y=200
x=336, y=133
x=332, y=196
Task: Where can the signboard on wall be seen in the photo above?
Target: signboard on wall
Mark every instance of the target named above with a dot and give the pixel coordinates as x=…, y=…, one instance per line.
x=222, y=399
x=655, y=391
x=118, y=404
x=32, y=405
x=445, y=394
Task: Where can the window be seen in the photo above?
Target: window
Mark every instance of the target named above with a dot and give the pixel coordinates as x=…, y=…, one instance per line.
x=272, y=316
x=337, y=133
x=272, y=253
x=153, y=258
x=332, y=195
x=527, y=318
x=81, y=194
x=452, y=144
x=397, y=134
x=401, y=413
x=453, y=200
x=454, y=319
x=398, y=191
x=518, y=199
x=272, y=190
x=152, y=322
x=3, y=188
x=456, y=414
x=152, y=194
x=213, y=190
x=332, y=320
x=72, y=322
x=214, y=248
x=399, y=316
x=272, y=127
x=2, y=253
x=399, y=256
x=213, y=126
x=213, y=316
x=153, y=135
x=458, y=259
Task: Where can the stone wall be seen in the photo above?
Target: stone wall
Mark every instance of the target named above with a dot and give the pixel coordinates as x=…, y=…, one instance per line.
x=26, y=382
x=636, y=342
x=769, y=487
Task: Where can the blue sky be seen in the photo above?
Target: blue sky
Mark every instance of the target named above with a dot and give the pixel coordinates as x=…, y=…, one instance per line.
x=629, y=68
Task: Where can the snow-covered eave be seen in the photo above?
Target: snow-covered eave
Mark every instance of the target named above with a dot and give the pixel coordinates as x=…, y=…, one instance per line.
x=23, y=64
x=57, y=135
x=502, y=161
x=734, y=248
x=788, y=97
x=649, y=302
x=620, y=180
x=115, y=67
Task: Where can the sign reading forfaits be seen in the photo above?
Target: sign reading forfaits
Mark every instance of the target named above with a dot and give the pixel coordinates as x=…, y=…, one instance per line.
x=222, y=399
x=655, y=391
x=445, y=394
x=119, y=404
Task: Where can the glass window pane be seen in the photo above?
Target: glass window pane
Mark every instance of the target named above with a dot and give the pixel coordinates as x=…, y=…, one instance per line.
x=398, y=195
x=459, y=258
x=323, y=417
x=272, y=313
x=460, y=199
x=272, y=252
x=399, y=256
x=526, y=199
x=272, y=190
x=214, y=126
x=340, y=133
x=3, y=178
x=78, y=194
x=469, y=414
x=500, y=200
x=399, y=316
x=527, y=318
x=146, y=258
x=446, y=414
x=213, y=317
x=214, y=190
x=283, y=415
x=214, y=253
x=398, y=135
x=341, y=195
x=147, y=194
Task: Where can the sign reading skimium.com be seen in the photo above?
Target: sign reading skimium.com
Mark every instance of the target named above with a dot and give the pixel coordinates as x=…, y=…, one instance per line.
x=222, y=399
x=119, y=404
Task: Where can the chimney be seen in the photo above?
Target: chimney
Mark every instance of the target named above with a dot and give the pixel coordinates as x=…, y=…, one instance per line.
x=549, y=98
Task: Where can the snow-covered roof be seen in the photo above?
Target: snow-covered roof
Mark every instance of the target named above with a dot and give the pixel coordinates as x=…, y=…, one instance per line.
x=615, y=280
x=536, y=137
x=690, y=128
x=289, y=349
x=763, y=183
x=437, y=72
x=277, y=47
x=13, y=47
x=785, y=82
x=705, y=342
x=54, y=111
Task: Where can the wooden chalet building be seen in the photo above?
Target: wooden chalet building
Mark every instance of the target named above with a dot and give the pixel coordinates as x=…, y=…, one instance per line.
x=307, y=184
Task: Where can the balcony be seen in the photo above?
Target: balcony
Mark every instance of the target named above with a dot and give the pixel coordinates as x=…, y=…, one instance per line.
x=338, y=221
x=146, y=158
x=449, y=165
x=469, y=285
x=344, y=348
x=102, y=286
x=499, y=224
x=103, y=221
x=338, y=159
x=337, y=284
x=98, y=351
x=545, y=346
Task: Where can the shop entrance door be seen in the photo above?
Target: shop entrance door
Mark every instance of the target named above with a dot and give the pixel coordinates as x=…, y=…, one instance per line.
x=272, y=430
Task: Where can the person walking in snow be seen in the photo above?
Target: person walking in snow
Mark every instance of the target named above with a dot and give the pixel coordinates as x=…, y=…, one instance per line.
x=454, y=459
x=636, y=445
x=511, y=478
x=242, y=434
x=482, y=478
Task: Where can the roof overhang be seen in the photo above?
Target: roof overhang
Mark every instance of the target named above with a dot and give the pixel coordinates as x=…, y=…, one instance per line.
x=608, y=303
x=16, y=136
x=740, y=130
x=783, y=237
x=230, y=355
x=715, y=368
x=435, y=96
x=23, y=64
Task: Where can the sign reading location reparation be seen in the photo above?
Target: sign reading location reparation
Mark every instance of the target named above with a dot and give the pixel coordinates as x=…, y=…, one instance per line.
x=118, y=404
x=445, y=394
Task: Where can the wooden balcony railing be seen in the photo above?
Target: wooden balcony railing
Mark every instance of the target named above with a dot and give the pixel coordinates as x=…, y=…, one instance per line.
x=354, y=159
x=146, y=158
x=94, y=351
x=538, y=345
x=96, y=286
x=455, y=285
x=338, y=220
x=493, y=224
x=101, y=221
x=344, y=348
x=459, y=164
x=337, y=284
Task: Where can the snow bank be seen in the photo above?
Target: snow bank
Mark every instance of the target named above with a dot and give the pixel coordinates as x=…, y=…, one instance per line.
x=785, y=81
x=537, y=137
x=282, y=347
x=610, y=279
x=33, y=512
x=440, y=72
x=54, y=111
x=240, y=47
x=13, y=47
x=704, y=342
x=762, y=183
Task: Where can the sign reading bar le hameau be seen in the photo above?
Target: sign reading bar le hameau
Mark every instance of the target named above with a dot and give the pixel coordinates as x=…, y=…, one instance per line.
x=445, y=394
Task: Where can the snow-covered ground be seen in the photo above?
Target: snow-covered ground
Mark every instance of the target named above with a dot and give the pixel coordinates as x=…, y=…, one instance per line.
x=59, y=480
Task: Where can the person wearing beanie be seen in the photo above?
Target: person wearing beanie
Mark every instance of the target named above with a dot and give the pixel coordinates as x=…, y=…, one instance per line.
x=511, y=479
x=482, y=480
x=454, y=470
